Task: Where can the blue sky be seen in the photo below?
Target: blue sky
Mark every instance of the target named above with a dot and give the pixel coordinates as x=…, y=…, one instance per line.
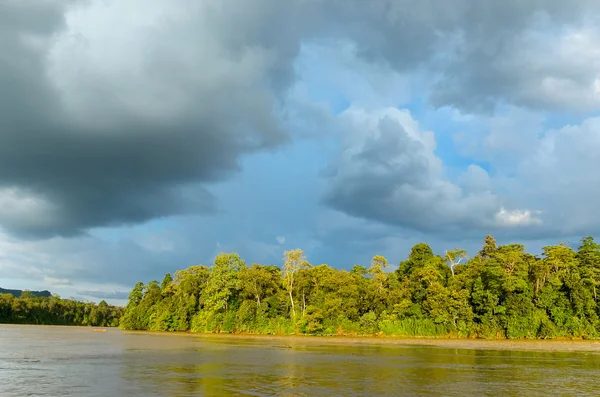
x=142, y=139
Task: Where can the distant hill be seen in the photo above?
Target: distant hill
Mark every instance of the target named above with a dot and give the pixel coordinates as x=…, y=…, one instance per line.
x=18, y=292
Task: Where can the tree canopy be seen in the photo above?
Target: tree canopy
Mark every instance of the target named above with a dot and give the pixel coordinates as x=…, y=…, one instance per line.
x=52, y=310
x=502, y=291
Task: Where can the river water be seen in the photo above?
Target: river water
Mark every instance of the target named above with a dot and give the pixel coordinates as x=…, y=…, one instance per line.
x=75, y=361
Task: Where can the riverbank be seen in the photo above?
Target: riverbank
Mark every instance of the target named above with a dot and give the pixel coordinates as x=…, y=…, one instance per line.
x=295, y=341
x=300, y=341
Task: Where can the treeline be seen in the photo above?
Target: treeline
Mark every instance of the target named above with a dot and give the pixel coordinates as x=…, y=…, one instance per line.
x=18, y=292
x=501, y=292
x=29, y=309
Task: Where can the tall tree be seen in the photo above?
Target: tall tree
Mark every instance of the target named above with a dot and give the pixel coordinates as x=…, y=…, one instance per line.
x=454, y=258
x=293, y=261
x=588, y=255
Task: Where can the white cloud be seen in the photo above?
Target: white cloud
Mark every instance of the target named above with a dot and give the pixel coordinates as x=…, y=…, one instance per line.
x=280, y=240
x=388, y=170
x=559, y=177
x=560, y=67
x=511, y=218
x=57, y=282
x=544, y=176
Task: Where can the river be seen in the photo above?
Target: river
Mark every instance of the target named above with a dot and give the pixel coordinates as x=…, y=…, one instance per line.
x=76, y=361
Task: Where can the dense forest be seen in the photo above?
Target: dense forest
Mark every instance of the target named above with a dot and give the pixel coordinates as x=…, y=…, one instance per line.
x=30, y=309
x=502, y=291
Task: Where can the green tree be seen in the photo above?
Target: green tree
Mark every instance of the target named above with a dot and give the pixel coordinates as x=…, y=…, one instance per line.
x=293, y=261
x=223, y=282
x=588, y=256
x=503, y=291
x=454, y=258
x=166, y=282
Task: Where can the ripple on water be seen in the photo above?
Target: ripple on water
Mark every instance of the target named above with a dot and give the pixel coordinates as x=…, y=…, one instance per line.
x=51, y=361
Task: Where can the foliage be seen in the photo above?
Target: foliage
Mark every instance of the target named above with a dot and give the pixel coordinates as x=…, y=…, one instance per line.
x=29, y=309
x=502, y=291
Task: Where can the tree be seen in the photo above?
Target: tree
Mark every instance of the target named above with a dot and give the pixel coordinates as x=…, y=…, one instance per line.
x=258, y=281
x=136, y=295
x=52, y=310
x=588, y=256
x=419, y=255
x=222, y=282
x=454, y=258
x=191, y=281
x=167, y=280
x=501, y=292
x=378, y=264
x=293, y=261
x=489, y=247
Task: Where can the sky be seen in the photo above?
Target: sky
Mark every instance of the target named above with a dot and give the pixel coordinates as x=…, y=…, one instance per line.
x=138, y=138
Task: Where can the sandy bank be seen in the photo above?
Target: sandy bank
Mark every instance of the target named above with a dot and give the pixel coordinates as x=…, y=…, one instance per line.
x=473, y=344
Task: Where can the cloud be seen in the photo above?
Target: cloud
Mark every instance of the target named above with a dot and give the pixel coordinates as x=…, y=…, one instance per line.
x=541, y=183
x=115, y=115
x=217, y=118
x=387, y=170
x=540, y=55
x=530, y=53
x=104, y=295
x=59, y=262
x=20, y=208
x=505, y=137
x=559, y=175
x=333, y=70
x=59, y=282
x=516, y=218
x=544, y=174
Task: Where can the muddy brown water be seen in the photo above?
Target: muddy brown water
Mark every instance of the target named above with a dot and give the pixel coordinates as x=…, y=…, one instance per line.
x=76, y=361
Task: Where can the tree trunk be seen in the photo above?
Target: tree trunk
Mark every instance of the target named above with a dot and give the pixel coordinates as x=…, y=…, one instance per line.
x=292, y=302
x=256, y=294
x=303, y=303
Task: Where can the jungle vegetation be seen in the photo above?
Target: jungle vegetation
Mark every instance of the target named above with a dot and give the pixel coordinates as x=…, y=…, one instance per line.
x=501, y=292
x=43, y=310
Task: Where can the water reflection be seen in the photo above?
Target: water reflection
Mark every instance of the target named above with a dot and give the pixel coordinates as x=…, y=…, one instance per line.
x=77, y=362
x=253, y=367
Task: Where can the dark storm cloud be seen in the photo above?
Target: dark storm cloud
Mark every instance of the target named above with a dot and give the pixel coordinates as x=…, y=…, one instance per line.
x=78, y=151
x=120, y=112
